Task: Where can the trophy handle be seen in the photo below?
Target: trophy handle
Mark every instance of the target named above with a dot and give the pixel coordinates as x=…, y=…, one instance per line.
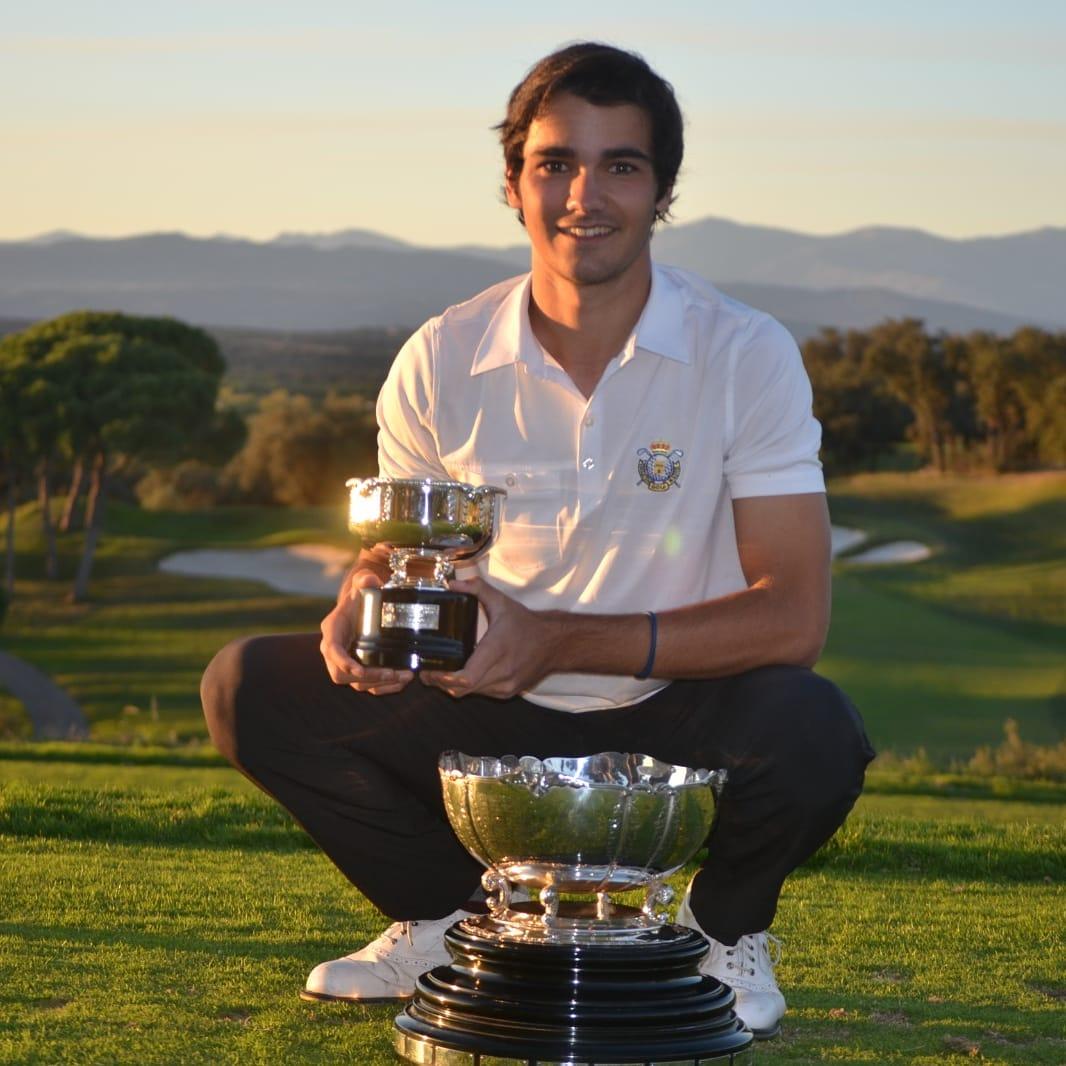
x=497, y=892
x=717, y=780
x=657, y=894
x=366, y=485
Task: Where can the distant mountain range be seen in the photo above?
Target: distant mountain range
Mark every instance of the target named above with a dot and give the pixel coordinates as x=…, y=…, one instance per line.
x=355, y=278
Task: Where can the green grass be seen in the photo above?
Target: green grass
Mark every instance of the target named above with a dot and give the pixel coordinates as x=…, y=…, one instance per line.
x=156, y=908
x=938, y=654
x=133, y=656
x=999, y=542
x=159, y=912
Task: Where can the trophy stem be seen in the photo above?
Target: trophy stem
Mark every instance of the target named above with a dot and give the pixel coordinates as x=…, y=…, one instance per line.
x=398, y=566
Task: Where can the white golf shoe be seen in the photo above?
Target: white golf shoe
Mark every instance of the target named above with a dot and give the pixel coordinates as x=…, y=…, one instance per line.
x=748, y=968
x=387, y=968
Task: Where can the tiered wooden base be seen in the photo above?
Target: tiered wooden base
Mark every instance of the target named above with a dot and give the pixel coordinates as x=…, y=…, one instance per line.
x=511, y=1003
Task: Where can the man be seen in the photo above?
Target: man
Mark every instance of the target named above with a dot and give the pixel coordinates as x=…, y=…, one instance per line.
x=661, y=581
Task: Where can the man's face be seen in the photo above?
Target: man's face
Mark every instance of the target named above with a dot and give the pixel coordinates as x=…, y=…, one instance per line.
x=587, y=190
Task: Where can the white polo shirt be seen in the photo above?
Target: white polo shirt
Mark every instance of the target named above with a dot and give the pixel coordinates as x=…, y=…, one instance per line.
x=620, y=502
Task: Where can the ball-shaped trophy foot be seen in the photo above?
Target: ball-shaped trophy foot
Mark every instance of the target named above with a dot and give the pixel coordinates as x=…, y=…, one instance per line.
x=497, y=892
x=549, y=900
x=604, y=908
x=657, y=895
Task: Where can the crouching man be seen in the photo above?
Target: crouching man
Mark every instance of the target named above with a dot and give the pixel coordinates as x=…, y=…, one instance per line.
x=661, y=580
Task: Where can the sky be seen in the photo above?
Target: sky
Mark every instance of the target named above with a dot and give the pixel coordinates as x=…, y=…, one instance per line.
x=253, y=118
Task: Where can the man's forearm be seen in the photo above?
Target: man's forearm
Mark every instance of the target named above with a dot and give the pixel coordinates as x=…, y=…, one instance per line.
x=758, y=626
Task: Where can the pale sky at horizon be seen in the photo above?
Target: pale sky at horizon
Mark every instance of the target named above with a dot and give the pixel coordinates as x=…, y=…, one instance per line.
x=252, y=118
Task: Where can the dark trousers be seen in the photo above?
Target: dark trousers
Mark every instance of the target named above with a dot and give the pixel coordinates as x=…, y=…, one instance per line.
x=359, y=772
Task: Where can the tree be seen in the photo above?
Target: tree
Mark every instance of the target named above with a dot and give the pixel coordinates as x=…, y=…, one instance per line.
x=1040, y=385
x=30, y=430
x=120, y=389
x=135, y=399
x=14, y=446
x=911, y=362
x=995, y=370
x=860, y=419
x=299, y=452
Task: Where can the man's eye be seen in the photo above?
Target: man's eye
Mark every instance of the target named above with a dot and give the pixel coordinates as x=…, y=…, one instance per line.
x=623, y=168
x=553, y=166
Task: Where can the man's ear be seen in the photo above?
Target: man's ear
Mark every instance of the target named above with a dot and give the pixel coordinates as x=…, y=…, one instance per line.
x=662, y=205
x=510, y=188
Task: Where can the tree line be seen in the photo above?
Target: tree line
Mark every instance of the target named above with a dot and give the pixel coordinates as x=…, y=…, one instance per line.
x=977, y=401
x=101, y=402
x=299, y=451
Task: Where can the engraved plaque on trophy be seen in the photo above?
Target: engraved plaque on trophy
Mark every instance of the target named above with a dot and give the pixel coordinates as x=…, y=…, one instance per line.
x=415, y=621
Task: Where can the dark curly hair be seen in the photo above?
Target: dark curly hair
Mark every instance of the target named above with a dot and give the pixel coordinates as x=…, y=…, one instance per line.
x=602, y=75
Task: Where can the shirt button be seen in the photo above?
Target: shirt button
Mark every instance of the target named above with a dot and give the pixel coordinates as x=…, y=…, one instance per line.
x=588, y=464
x=589, y=420
x=510, y=481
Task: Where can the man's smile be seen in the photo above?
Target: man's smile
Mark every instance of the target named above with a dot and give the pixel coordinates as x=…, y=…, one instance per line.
x=584, y=233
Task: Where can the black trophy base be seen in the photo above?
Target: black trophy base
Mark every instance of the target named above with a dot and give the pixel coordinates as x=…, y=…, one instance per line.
x=504, y=1002
x=416, y=628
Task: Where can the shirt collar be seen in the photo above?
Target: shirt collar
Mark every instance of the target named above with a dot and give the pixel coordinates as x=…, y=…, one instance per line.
x=508, y=338
x=661, y=327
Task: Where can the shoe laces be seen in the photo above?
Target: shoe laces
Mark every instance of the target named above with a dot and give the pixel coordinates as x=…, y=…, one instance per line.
x=754, y=952
x=405, y=931
x=391, y=937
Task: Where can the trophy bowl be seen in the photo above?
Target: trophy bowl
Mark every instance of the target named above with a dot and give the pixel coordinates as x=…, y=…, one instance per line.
x=417, y=621
x=590, y=824
x=420, y=517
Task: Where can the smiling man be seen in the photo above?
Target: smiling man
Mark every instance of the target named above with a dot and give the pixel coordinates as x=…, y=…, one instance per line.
x=660, y=584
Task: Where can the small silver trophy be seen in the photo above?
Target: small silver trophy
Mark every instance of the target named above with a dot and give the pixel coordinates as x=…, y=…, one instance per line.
x=417, y=621
x=588, y=982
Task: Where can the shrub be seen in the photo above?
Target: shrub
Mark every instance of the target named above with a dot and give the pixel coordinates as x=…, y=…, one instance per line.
x=1015, y=757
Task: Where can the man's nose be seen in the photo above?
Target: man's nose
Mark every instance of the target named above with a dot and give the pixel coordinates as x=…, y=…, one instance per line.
x=586, y=194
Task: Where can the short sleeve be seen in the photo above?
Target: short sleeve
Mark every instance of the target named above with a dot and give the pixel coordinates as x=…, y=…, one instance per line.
x=407, y=443
x=772, y=436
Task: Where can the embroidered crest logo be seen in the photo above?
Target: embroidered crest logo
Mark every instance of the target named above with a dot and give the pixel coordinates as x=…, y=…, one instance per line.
x=658, y=466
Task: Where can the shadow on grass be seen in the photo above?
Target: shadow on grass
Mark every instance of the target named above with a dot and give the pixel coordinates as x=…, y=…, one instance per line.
x=209, y=819
x=921, y=861
x=219, y=819
x=111, y=937
x=112, y=755
x=892, y=1021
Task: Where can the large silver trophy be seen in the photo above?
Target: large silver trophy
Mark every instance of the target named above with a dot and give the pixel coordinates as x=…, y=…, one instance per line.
x=416, y=621
x=544, y=979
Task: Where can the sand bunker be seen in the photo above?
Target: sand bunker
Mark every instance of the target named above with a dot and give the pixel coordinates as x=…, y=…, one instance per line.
x=316, y=569
x=899, y=551
x=301, y=569
x=844, y=539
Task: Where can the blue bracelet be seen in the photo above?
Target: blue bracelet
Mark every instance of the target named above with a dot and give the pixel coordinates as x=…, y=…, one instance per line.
x=645, y=673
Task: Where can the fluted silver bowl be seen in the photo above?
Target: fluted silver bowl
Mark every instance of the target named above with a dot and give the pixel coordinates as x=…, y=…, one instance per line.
x=593, y=823
x=425, y=516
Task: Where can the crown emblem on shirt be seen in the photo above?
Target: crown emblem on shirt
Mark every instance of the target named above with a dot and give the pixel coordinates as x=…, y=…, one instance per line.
x=658, y=466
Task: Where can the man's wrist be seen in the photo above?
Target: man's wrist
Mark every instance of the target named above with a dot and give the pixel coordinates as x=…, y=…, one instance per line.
x=596, y=644
x=560, y=647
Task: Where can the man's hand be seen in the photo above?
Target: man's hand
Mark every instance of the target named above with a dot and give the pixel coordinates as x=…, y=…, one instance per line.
x=518, y=649
x=338, y=631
